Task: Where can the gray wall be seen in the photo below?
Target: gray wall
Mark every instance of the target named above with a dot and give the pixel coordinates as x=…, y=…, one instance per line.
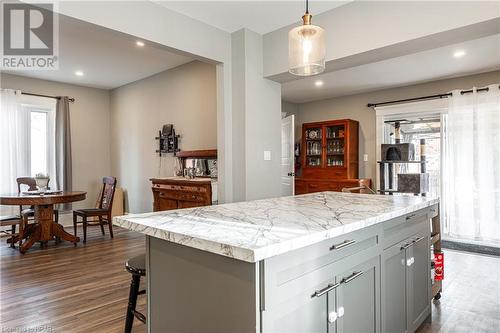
x=90, y=123
x=184, y=96
x=256, y=121
x=354, y=107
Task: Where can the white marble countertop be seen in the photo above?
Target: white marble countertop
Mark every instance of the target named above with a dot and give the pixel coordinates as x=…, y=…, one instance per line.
x=256, y=230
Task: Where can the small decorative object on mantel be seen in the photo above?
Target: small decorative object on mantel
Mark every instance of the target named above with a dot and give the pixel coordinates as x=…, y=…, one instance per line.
x=168, y=140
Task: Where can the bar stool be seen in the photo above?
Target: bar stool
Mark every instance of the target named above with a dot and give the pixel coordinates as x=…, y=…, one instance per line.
x=137, y=267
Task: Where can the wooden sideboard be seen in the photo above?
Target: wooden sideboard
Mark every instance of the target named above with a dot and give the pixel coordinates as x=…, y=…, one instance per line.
x=305, y=185
x=177, y=192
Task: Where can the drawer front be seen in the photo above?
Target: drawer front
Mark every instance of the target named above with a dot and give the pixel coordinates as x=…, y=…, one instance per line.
x=318, y=187
x=398, y=229
x=309, y=266
x=190, y=204
x=340, y=173
x=178, y=195
x=165, y=204
x=186, y=188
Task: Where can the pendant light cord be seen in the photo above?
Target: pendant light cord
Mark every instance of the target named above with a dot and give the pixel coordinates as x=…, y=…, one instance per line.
x=307, y=6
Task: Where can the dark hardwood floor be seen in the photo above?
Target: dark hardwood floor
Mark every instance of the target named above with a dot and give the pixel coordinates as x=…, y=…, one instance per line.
x=69, y=289
x=470, y=301
x=85, y=288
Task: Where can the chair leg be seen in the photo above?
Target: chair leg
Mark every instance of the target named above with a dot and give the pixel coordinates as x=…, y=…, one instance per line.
x=23, y=225
x=85, y=229
x=110, y=224
x=74, y=223
x=13, y=231
x=56, y=220
x=101, y=224
x=132, y=302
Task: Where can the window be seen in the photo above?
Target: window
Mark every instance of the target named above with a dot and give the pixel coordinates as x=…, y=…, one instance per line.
x=38, y=142
x=40, y=124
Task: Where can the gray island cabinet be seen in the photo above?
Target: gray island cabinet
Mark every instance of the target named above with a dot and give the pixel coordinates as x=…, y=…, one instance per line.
x=325, y=262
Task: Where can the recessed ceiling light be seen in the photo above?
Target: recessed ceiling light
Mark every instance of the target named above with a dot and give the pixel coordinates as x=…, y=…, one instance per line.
x=459, y=54
x=318, y=83
x=79, y=73
x=139, y=43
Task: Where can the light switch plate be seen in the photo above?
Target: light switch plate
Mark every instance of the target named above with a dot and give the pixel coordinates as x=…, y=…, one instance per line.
x=365, y=157
x=267, y=155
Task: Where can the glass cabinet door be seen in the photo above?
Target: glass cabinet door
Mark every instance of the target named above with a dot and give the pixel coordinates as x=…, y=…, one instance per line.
x=335, y=143
x=314, y=147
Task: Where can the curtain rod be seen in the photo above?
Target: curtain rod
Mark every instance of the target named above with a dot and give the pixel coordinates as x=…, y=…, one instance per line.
x=72, y=100
x=370, y=105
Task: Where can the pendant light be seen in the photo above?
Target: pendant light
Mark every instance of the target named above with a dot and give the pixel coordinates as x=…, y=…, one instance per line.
x=306, y=47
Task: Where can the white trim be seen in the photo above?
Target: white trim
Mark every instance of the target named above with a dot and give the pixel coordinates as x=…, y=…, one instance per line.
x=432, y=106
x=395, y=111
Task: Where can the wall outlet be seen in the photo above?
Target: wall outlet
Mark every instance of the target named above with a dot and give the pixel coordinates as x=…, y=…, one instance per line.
x=267, y=155
x=365, y=157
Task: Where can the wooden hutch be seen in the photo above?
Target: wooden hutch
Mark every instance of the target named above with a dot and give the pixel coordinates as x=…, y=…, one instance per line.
x=179, y=192
x=329, y=157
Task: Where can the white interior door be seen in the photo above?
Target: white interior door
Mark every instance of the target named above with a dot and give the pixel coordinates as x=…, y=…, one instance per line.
x=287, y=156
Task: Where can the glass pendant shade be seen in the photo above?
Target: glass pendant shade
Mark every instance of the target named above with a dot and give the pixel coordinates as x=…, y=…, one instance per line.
x=306, y=50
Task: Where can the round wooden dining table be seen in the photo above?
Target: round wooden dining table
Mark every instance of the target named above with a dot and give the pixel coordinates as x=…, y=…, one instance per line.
x=45, y=228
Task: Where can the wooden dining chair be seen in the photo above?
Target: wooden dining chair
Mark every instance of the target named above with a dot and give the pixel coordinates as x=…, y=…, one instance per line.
x=26, y=213
x=11, y=221
x=103, y=212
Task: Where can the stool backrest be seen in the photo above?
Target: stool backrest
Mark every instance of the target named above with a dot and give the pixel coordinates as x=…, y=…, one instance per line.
x=108, y=192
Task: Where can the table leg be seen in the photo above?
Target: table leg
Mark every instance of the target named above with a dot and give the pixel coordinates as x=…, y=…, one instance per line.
x=34, y=237
x=58, y=231
x=46, y=229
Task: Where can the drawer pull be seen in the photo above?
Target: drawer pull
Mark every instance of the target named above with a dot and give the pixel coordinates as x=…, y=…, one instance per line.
x=352, y=277
x=342, y=245
x=321, y=292
x=409, y=217
x=418, y=239
x=407, y=245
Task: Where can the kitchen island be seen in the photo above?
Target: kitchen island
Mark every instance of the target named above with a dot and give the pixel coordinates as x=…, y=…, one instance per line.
x=321, y=262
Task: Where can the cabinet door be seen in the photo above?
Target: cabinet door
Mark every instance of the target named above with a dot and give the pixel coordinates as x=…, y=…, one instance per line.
x=300, y=314
x=418, y=280
x=393, y=293
x=357, y=297
x=335, y=145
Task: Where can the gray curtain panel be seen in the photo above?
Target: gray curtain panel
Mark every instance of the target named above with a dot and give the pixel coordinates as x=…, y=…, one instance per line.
x=63, y=147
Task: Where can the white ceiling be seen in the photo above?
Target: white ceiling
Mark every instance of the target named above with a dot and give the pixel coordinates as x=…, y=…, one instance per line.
x=258, y=16
x=108, y=59
x=481, y=55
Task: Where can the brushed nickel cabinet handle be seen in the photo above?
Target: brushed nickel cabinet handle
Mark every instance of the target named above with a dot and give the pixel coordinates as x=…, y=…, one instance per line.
x=409, y=217
x=407, y=245
x=418, y=239
x=352, y=277
x=342, y=245
x=321, y=292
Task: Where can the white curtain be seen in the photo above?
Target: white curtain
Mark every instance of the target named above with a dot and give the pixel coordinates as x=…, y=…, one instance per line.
x=471, y=166
x=14, y=140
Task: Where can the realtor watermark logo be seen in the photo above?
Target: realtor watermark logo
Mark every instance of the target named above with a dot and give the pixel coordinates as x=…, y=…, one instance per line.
x=30, y=36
